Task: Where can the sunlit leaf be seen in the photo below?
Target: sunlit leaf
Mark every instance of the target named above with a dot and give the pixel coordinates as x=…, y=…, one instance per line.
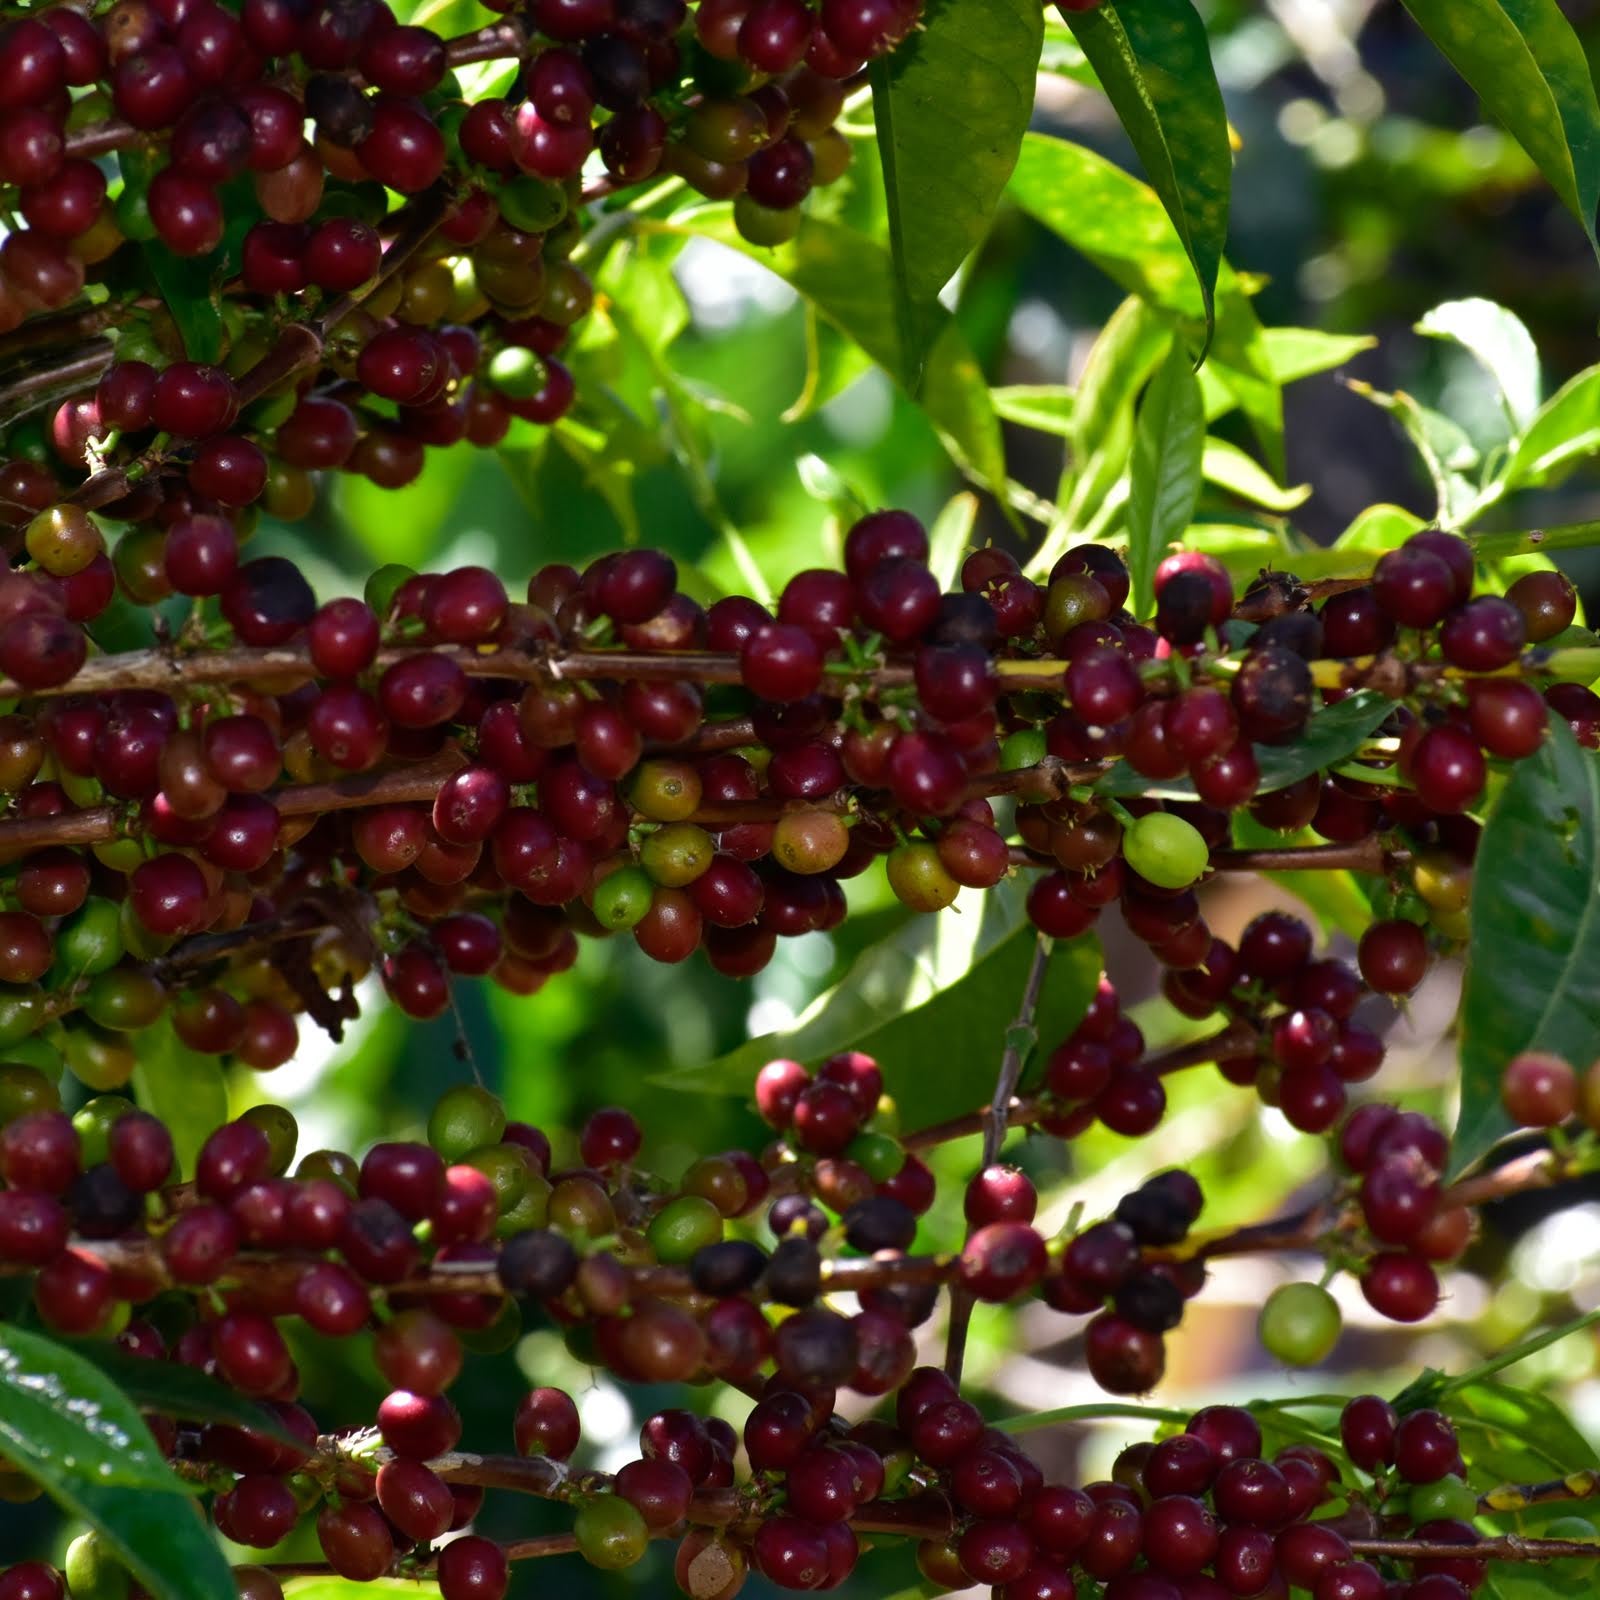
x=1529, y=68
x=951, y=106
x=1168, y=446
x=1154, y=62
x=1501, y=342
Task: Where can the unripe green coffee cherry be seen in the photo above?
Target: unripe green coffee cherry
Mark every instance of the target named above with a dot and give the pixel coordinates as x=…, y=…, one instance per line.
x=24, y=1089
x=683, y=1226
x=507, y=1166
x=1026, y=747
x=919, y=878
x=94, y=1120
x=465, y=1118
x=677, y=854
x=622, y=898
x=282, y=1131
x=334, y=1165
x=90, y=940
x=124, y=999
x=517, y=372
x=1580, y=1530
x=1449, y=1498
x=531, y=1209
x=878, y=1155
x=21, y=1015
x=759, y=224
x=1299, y=1324
x=383, y=585
x=610, y=1533
x=1165, y=850
x=98, y=1060
x=92, y=1571
x=531, y=204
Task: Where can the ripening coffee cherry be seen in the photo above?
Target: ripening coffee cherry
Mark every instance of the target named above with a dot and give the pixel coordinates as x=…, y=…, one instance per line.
x=1539, y=1090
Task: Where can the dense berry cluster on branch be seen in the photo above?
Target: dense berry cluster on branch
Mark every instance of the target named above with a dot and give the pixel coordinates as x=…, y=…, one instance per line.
x=231, y=830
x=741, y=1271
x=438, y=781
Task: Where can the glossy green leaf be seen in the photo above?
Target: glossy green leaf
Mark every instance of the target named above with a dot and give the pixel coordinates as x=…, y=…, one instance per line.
x=1380, y=528
x=1154, y=61
x=950, y=537
x=1228, y=467
x=1113, y=219
x=1513, y=1435
x=405, y=524
x=1331, y=736
x=1168, y=450
x=1528, y=66
x=186, y=286
x=1124, y=355
x=331, y=1588
x=66, y=1425
x=951, y=107
x=1291, y=354
x=851, y=283
x=1533, y=966
x=1501, y=342
x=1121, y=226
x=179, y=1391
x=184, y=1088
x=1565, y=430
x=1044, y=407
x=931, y=1003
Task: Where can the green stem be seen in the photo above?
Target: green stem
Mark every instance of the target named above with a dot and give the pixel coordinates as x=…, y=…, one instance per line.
x=1535, y=541
x=1089, y=1413
x=1520, y=1352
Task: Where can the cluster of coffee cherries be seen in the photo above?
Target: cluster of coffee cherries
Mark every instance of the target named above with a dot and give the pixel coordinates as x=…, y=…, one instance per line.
x=272, y=142
x=443, y=782
x=420, y=1246
x=1204, y=1514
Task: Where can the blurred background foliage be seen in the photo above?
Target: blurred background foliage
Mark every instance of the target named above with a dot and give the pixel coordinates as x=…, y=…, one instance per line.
x=1367, y=190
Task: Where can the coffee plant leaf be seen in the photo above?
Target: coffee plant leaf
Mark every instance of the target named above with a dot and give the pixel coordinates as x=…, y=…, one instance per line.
x=1528, y=66
x=74, y=1432
x=1168, y=452
x=1154, y=62
x=951, y=108
x=1533, y=965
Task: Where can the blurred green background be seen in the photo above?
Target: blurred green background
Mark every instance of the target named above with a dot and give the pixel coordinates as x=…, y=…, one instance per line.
x=1367, y=190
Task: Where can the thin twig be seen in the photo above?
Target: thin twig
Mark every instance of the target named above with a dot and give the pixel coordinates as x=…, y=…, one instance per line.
x=1021, y=1037
x=1237, y=1038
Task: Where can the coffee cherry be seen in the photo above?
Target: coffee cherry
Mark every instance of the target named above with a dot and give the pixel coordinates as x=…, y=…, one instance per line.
x=1165, y=849
x=1299, y=1324
x=1367, y=1428
x=1538, y=1090
x=1547, y=601
x=611, y=1534
x=1401, y=1287
x=1425, y=1447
